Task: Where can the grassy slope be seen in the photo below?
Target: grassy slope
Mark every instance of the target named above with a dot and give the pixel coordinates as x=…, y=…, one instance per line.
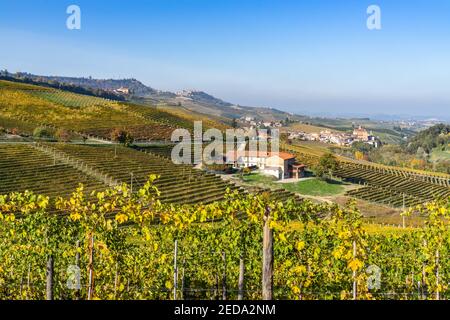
x=255, y=178
x=312, y=187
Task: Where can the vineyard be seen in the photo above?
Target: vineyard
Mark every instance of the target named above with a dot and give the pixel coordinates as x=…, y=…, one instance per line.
x=25, y=168
x=428, y=177
x=395, y=186
x=25, y=107
x=145, y=132
x=386, y=185
x=385, y=196
x=11, y=125
x=70, y=99
x=153, y=114
x=52, y=169
x=212, y=251
x=164, y=151
x=209, y=121
x=178, y=183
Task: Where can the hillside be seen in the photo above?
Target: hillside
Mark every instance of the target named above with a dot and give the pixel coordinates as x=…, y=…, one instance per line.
x=437, y=136
x=96, y=92
x=202, y=97
x=25, y=107
x=89, y=83
x=192, y=100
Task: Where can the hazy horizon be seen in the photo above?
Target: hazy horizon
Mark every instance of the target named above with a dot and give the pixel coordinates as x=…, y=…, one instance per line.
x=317, y=57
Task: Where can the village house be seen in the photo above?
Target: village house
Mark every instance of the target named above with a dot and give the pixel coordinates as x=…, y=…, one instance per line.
x=122, y=90
x=281, y=165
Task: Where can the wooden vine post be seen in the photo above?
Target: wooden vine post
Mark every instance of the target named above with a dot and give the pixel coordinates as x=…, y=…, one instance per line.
x=183, y=284
x=241, y=278
x=49, y=282
x=77, y=263
x=403, y=216
x=438, y=295
x=267, y=272
x=91, y=268
x=355, y=289
x=116, y=280
x=224, y=276
x=28, y=281
x=175, y=271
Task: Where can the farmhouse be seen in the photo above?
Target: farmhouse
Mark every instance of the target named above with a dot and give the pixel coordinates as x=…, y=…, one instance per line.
x=281, y=165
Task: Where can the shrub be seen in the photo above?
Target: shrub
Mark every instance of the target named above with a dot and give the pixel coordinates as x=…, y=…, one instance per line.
x=41, y=132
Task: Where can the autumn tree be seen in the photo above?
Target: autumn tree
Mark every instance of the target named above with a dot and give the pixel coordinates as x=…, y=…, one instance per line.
x=418, y=163
x=326, y=166
x=62, y=135
x=359, y=155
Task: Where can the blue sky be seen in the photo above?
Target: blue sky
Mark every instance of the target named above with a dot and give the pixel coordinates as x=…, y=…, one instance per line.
x=314, y=56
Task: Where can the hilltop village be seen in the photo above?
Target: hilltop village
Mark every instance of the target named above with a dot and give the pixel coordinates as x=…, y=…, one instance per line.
x=339, y=138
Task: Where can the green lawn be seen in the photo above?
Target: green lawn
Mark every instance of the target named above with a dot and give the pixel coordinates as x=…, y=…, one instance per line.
x=315, y=187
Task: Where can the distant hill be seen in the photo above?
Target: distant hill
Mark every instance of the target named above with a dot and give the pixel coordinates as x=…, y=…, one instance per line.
x=135, y=86
x=90, y=91
x=205, y=103
x=202, y=97
x=134, y=90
